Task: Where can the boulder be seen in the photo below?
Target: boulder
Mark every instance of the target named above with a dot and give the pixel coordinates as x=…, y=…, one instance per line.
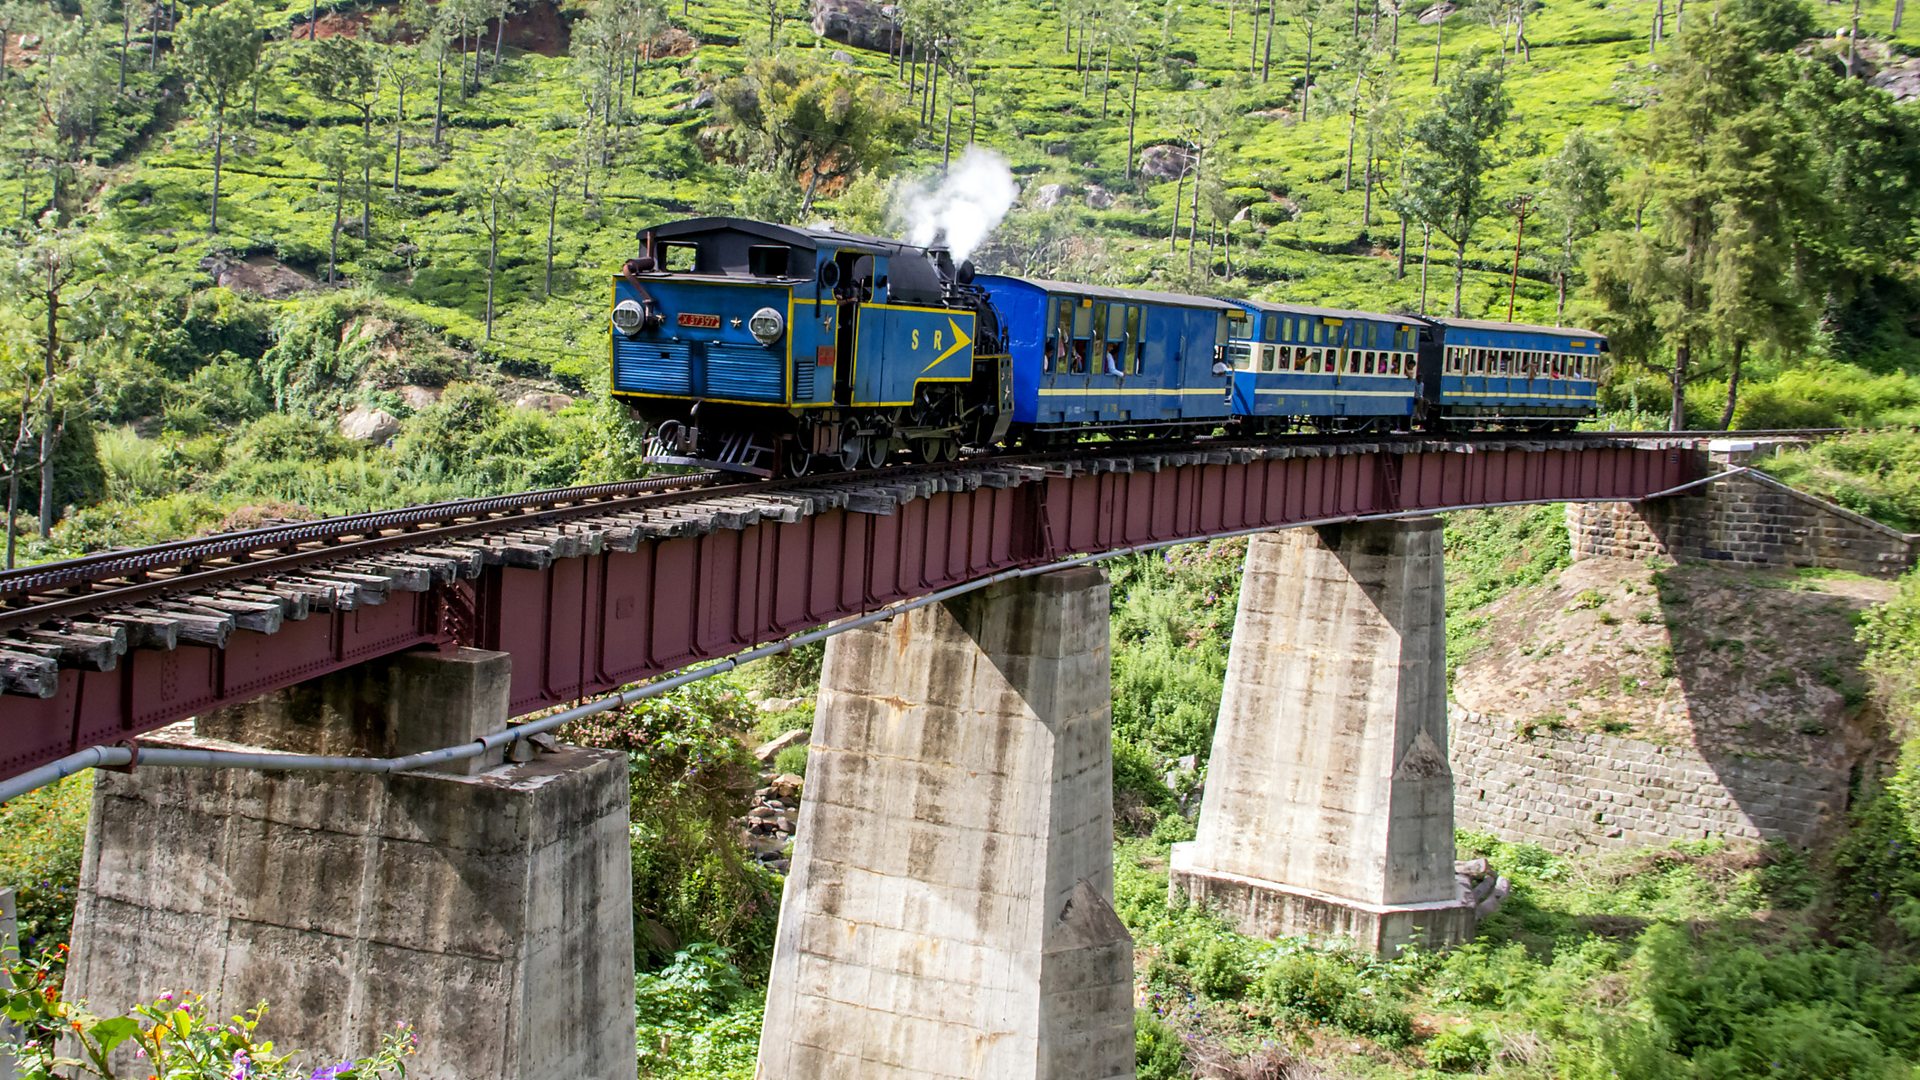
x=261, y=275
x=771, y=750
x=1047, y=196
x=1165, y=162
x=369, y=425
x=1098, y=198
x=787, y=784
x=418, y=397
x=701, y=100
x=550, y=403
x=1902, y=80
x=841, y=56
x=1437, y=12
x=857, y=24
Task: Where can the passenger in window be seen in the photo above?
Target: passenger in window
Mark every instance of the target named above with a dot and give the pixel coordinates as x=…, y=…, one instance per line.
x=1080, y=357
x=1113, y=358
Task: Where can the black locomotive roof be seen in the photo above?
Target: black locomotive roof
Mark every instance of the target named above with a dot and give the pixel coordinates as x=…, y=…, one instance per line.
x=1525, y=328
x=1101, y=292
x=1273, y=307
x=810, y=239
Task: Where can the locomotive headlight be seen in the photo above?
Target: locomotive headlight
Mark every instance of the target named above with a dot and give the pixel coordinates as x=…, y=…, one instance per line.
x=629, y=317
x=766, y=326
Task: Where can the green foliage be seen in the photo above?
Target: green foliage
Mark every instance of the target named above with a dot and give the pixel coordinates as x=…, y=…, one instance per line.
x=175, y=1037
x=693, y=879
x=1872, y=473
x=1490, y=553
x=1459, y=1050
x=696, y=1018
x=1173, y=612
x=1326, y=989
x=1157, y=1052
x=791, y=760
x=42, y=836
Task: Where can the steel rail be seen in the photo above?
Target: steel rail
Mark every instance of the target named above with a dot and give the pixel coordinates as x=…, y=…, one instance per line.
x=130, y=576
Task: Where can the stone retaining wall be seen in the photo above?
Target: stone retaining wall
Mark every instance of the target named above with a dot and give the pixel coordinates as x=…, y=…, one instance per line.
x=1746, y=519
x=1585, y=791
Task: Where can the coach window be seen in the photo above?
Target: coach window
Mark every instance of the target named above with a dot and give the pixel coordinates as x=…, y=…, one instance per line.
x=1136, y=350
x=1059, y=343
x=1081, y=337
x=1097, y=339
x=1270, y=328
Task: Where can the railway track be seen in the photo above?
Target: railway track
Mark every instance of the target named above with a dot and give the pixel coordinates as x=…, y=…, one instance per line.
x=87, y=612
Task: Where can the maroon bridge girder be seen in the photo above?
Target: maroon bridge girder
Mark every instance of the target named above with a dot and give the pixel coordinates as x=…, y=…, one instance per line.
x=593, y=623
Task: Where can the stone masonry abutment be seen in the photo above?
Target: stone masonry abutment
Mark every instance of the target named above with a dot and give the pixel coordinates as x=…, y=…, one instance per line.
x=949, y=910
x=489, y=905
x=1328, y=809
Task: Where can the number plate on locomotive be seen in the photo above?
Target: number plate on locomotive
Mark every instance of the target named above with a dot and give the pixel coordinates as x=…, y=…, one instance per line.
x=704, y=322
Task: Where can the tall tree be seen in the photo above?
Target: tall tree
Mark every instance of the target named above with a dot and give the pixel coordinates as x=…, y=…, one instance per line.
x=340, y=152
x=555, y=179
x=46, y=266
x=815, y=122
x=399, y=72
x=344, y=71
x=491, y=186
x=1577, y=199
x=1309, y=16
x=1725, y=186
x=219, y=48
x=1453, y=149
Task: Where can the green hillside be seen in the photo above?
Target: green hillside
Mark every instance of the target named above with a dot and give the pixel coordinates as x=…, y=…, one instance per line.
x=397, y=155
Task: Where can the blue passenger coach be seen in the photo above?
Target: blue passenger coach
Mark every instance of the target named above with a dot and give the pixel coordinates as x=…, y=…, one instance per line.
x=1541, y=376
x=1326, y=367
x=1089, y=357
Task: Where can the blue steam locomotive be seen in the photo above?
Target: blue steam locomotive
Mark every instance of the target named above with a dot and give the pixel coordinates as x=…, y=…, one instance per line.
x=771, y=350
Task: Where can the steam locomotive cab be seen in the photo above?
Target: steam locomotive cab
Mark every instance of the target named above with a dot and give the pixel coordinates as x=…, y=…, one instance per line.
x=772, y=350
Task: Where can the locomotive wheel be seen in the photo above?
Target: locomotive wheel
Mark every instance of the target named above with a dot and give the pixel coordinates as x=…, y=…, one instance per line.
x=798, y=462
x=877, y=451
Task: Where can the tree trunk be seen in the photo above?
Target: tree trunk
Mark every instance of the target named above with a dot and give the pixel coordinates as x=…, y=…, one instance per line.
x=333, y=238
x=1253, y=41
x=493, y=254
x=553, y=210
x=973, y=110
x=366, y=178
x=399, y=121
x=439, y=93
x=499, y=36
x=1899, y=13
x=1682, y=360
x=1366, y=201
x=1520, y=35
x=313, y=23
x=126, y=42
x=1853, y=42
x=1306, y=83
x=1193, y=212
x=1179, y=194
x=946, y=138
x=1266, y=53
x=1400, y=266
x=13, y=505
x=813, y=185
x=933, y=83
x=1353, y=129
x=1459, y=270
x=219, y=145
x=1659, y=25
x=1733, y=383
x=1439, y=34
x=1560, y=303
x=1133, y=114
x=1426, y=260
x=48, y=436
x=913, y=71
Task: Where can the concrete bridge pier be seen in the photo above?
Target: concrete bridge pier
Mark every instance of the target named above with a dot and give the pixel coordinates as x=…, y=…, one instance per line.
x=489, y=905
x=1328, y=809
x=949, y=911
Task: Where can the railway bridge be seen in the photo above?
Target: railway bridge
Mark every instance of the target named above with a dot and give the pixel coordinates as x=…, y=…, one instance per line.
x=318, y=793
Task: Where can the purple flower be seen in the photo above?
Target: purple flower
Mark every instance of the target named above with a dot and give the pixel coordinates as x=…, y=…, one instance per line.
x=330, y=1072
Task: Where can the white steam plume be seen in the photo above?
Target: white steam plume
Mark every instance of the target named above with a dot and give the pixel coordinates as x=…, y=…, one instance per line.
x=963, y=208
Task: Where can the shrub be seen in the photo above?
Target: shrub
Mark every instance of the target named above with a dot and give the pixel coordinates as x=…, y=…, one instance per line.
x=1156, y=1048
x=1322, y=988
x=42, y=835
x=1459, y=1050
x=696, y=1017
x=791, y=760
